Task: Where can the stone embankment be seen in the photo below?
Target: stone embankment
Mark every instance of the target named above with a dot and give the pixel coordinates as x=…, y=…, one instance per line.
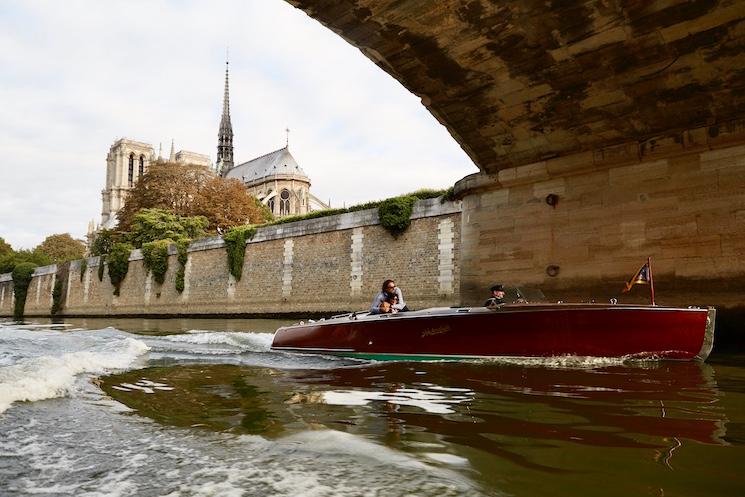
x=323, y=265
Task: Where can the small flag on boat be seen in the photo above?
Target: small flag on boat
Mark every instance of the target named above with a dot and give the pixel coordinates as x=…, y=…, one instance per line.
x=642, y=277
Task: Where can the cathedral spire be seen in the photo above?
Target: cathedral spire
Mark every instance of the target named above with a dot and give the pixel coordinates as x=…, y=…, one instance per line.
x=225, y=133
x=172, y=157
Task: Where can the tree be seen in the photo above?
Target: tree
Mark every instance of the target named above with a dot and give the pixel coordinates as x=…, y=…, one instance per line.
x=5, y=247
x=188, y=190
x=62, y=248
x=103, y=240
x=167, y=186
x=156, y=224
x=226, y=204
x=9, y=261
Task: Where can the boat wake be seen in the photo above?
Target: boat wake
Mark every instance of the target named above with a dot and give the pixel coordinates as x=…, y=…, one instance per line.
x=50, y=376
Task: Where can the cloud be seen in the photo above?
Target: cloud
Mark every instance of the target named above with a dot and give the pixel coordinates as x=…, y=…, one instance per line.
x=78, y=75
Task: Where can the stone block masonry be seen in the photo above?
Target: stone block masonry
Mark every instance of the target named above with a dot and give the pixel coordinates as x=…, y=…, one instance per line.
x=685, y=209
x=321, y=266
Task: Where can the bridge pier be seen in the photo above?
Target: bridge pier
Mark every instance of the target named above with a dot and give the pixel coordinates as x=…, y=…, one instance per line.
x=579, y=226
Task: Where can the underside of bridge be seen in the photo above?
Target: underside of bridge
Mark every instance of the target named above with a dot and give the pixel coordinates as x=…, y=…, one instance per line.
x=627, y=111
x=519, y=81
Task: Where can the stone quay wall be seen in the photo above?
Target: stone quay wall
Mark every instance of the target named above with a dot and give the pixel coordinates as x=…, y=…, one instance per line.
x=580, y=226
x=323, y=265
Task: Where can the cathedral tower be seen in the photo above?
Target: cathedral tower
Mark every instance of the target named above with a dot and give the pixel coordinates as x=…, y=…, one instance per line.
x=126, y=162
x=225, y=134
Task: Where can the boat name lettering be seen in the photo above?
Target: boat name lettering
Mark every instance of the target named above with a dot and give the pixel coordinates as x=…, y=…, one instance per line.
x=435, y=331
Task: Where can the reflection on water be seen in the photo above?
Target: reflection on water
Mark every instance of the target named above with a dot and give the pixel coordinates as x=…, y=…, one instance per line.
x=465, y=414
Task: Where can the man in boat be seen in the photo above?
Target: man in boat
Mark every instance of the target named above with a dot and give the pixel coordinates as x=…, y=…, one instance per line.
x=388, y=289
x=497, y=297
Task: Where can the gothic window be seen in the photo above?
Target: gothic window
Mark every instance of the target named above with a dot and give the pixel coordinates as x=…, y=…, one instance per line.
x=142, y=167
x=284, y=203
x=270, y=204
x=131, y=169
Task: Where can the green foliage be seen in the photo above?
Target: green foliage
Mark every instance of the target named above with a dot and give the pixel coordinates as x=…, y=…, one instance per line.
x=118, y=261
x=22, y=274
x=265, y=214
x=83, y=268
x=235, y=243
x=448, y=196
x=12, y=259
x=60, y=287
x=149, y=225
x=5, y=247
x=62, y=248
x=395, y=214
x=183, y=256
x=101, y=265
x=426, y=193
x=155, y=255
x=103, y=241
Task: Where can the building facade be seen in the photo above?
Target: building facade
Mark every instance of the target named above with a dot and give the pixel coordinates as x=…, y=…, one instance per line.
x=126, y=162
x=275, y=178
x=278, y=182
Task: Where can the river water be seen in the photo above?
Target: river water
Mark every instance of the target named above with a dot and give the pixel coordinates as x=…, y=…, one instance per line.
x=204, y=408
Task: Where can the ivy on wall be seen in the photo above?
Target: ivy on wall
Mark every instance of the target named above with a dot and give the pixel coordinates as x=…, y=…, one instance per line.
x=183, y=256
x=21, y=275
x=395, y=214
x=235, y=244
x=101, y=263
x=59, y=292
x=57, y=297
x=83, y=268
x=155, y=255
x=118, y=262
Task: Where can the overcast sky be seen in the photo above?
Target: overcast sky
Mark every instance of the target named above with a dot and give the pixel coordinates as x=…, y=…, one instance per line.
x=77, y=75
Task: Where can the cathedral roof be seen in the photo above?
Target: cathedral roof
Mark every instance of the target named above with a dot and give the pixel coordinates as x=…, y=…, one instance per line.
x=278, y=162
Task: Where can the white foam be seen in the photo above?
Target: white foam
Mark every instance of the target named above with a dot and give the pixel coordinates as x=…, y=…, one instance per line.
x=570, y=362
x=249, y=342
x=48, y=377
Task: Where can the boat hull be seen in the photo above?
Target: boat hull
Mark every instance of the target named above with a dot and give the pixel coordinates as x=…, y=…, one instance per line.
x=511, y=331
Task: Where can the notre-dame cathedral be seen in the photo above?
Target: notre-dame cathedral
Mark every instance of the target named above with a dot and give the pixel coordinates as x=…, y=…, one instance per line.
x=275, y=178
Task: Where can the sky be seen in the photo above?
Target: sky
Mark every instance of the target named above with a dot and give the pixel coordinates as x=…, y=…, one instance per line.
x=75, y=76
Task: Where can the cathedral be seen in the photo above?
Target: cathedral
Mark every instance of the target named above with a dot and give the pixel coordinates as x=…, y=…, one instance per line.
x=275, y=178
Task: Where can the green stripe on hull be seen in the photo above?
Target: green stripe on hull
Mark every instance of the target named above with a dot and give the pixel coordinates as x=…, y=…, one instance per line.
x=403, y=357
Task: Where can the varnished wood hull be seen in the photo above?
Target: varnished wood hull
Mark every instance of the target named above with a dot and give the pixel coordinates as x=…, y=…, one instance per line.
x=528, y=330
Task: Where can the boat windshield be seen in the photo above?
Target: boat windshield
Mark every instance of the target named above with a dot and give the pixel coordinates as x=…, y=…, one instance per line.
x=523, y=295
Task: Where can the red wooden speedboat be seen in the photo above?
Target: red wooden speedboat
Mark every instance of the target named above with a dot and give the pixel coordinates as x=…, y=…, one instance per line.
x=513, y=330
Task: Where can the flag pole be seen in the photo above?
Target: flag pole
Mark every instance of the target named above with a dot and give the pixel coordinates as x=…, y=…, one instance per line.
x=651, y=280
